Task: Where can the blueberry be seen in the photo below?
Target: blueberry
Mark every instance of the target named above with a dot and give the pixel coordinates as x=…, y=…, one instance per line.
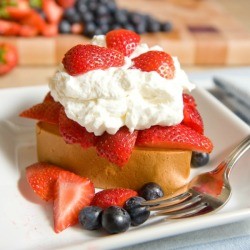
x=90, y=217
x=89, y=29
x=101, y=10
x=153, y=25
x=64, y=27
x=121, y=16
x=151, y=191
x=81, y=7
x=199, y=159
x=115, y=220
x=138, y=213
x=72, y=15
x=166, y=26
x=87, y=17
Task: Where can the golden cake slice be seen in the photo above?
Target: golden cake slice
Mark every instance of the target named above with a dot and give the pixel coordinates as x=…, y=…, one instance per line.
x=169, y=168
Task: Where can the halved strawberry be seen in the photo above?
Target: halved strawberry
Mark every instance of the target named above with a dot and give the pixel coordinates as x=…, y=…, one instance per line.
x=53, y=11
x=174, y=137
x=192, y=118
x=116, y=148
x=123, y=40
x=9, y=28
x=72, y=132
x=158, y=61
x=83, y=58
x=46, y=112
x=42, y=178
x=112, y=197
x=66, y=3
x=72, y=193
x=34, y=20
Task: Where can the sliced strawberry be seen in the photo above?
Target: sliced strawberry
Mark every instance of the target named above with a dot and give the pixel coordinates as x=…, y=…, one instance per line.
x=52, y=11
x=46, y=112
x=18, y=12
x=72, y=193
x=158, y=61
x=123, y=40
x=50, y=29
x=28, y=31
x=72, y=132
x=83, y=58
x=34, y=20
x=188, y=99
x=66, y=3
x=48, y=98
x=42, y=178
x=112, y=197
x=192, y=118
x=116, y=148
x=8, y=28
x=174, y=137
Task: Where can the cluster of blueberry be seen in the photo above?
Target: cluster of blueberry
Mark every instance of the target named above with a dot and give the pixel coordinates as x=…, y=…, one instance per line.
x=100, y=16
x=115, y=219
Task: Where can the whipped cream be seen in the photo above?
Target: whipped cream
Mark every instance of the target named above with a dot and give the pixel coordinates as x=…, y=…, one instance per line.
x=106, y=100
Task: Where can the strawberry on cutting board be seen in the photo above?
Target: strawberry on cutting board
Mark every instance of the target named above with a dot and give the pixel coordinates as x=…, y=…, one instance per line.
x=123, y=40
x=158, y=61
x=72, y=193
x=8, y=58
x=83, y=58
x=112, y=197
x=174, y=137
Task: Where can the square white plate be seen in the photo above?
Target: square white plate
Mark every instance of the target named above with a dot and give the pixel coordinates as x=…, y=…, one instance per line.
x=26, y=222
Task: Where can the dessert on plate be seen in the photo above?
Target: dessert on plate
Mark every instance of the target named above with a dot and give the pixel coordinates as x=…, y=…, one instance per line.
x=120, y=113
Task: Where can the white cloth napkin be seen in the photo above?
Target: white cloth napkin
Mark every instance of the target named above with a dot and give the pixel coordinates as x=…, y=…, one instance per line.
x=235, y=92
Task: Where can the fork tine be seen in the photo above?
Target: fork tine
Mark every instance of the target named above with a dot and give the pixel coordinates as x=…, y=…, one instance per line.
x=188, y=212
x=168, y=201
x=182, y=213
x=165, y=208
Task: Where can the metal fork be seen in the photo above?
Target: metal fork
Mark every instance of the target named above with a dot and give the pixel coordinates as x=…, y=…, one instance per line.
x=206, y=193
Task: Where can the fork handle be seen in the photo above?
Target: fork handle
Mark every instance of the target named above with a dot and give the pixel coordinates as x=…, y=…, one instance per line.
x=235, y=155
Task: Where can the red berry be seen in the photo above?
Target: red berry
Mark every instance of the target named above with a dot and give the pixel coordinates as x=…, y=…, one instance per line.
x=48, y=98
x=116, y=148
x=83, y=58
x=112, y=197
x=52, y=11
x=158, y=61
x=192, y=118
x=72, y=193
x=188, y=99
x=174, y=137
x=46, y=112
x=72, y=132
x=42, y=178
x=122, y=40
x=8, y=57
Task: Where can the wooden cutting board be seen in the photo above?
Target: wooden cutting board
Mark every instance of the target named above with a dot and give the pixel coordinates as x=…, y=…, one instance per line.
x=203, y=34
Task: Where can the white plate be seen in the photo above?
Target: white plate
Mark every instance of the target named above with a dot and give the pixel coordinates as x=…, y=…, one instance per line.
x=27, y=223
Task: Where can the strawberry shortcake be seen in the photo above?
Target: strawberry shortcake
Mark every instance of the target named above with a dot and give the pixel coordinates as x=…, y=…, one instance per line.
x=120, y=113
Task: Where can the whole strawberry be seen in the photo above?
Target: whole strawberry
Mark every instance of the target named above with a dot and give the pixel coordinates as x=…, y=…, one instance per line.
x=123, y=40
x=158, y=61
x=83, y=58
x=8, y=57
x=112, y=197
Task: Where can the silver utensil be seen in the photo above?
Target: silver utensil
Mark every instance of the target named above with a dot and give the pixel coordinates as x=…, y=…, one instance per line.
x=206, y=193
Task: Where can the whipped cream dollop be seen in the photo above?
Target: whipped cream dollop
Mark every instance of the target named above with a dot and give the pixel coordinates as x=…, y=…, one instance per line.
x=106, y=100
